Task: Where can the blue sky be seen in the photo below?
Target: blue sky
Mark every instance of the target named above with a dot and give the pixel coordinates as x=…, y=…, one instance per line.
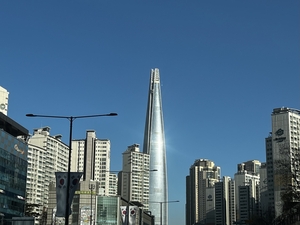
x=224, y=66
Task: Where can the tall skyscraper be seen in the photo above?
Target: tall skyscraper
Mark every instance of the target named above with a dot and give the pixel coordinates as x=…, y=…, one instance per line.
x=200, y=192
x=154, y=145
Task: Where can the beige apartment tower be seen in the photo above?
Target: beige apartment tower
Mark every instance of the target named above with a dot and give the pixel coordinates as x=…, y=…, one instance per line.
x=135, y=175
x=200, y=192
x=92, y=157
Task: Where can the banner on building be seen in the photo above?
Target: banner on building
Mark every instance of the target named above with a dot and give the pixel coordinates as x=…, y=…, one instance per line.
x=86, y=215
x=61, y=191
x=132, y=215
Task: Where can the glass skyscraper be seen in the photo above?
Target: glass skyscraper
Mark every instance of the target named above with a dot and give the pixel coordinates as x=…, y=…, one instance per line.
x=154, y=145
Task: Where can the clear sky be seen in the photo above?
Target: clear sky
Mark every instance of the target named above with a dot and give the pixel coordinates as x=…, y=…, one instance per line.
x=224, y=66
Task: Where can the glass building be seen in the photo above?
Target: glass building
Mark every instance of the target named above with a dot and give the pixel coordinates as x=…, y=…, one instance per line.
x=108, y=211
x=13, y=168
x=154, y=145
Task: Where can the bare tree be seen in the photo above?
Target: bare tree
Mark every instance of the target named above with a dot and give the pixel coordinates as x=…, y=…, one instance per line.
x=288, y=174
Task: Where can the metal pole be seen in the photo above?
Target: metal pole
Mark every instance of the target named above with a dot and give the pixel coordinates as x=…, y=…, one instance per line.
x=128, y=198
x=142, y=199
x=91, y=217
x=67, y=213
x=161, y=213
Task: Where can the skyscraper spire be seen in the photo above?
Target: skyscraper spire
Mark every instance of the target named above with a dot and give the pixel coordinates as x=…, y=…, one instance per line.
x=154, y=144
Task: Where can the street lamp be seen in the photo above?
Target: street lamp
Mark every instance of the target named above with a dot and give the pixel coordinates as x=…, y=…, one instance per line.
x=166, y=202
x=71, y=119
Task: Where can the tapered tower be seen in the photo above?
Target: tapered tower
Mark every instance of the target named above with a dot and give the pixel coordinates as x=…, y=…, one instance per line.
x=154, y=144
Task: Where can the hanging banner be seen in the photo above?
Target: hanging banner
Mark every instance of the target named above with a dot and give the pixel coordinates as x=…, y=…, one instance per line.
x=132, y=215
x=61, y=191
x=123, y=215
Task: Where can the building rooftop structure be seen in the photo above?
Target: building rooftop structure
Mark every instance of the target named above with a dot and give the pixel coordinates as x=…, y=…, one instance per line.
x=12, y=127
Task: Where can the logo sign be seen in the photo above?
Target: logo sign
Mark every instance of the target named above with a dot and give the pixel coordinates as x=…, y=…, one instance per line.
x=279, y=132
x=209, y=198
x=16, y=147
x=281, y=139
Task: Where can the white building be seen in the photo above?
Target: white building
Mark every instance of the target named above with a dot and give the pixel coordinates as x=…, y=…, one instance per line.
x=246, y=181
x=113, y=184
x=285, y=141
x=3, y=100
x=46, y=155
x=134, y=177
x=92, y=157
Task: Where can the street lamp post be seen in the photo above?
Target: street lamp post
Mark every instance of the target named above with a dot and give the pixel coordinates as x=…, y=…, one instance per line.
x=160, y=203
x=71, y=119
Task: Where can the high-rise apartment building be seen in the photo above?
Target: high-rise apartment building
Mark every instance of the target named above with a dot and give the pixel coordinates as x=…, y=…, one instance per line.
x=113, y=184
x=200, y=197
x=3, y=100
x=225, y=202
x=282, y=149
x=250, y=195
x=134, y=177
x=46, y=155
x=154, y=145
x=92, y=157
x=251, y=166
